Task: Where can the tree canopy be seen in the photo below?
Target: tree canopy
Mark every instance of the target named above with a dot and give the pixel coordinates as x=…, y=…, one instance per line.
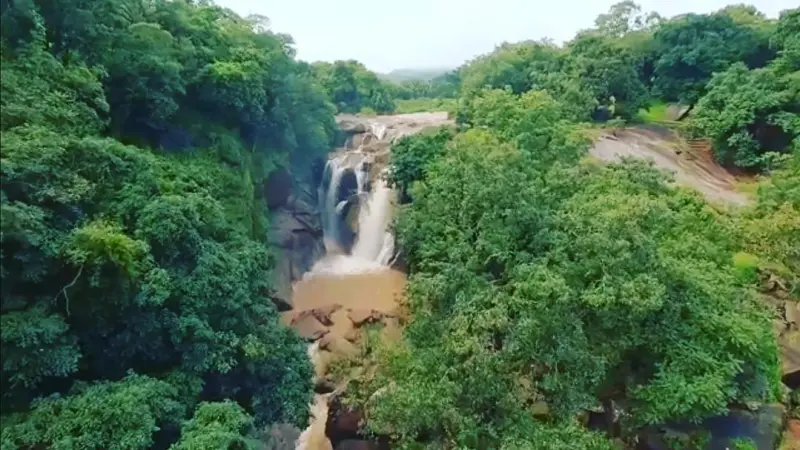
x=137, y=137
x=543, y=279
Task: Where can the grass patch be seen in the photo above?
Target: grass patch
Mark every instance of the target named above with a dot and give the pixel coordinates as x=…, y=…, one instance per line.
x=656, y=113
x=368, y=112
x=416, y=105
x=748, y=186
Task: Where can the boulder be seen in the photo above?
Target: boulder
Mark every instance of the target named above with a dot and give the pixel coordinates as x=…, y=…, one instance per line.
x=337, y=345
x=540, y=409
x=676, y=111
x=352, y=335
x=308, y=326
x=343, y=422
x=360, y=317
x=351, y=124
x=323, y=314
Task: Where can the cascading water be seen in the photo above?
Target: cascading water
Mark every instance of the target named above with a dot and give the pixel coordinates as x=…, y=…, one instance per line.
x=346, y=186
x=375, y=242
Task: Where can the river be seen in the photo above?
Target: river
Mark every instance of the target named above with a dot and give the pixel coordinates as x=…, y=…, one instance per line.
x=355, y=278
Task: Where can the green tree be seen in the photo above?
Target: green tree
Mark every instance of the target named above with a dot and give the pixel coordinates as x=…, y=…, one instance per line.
x=540, y=282
x=215, y=426
x=351, y=87
x=692, y=47
x=607, y=70
x=106, y=415
x=625, y=17
x=749, y=114
x=412, y=154
x=133, y=227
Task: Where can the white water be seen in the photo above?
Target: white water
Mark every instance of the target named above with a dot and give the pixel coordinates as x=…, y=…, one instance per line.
x=373, y=247
x=375, y=242
x=313, y=437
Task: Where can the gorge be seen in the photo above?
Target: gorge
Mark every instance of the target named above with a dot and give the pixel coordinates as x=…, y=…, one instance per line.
x=354, y=282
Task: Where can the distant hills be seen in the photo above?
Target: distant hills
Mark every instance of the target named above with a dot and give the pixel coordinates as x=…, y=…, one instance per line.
x=400, y=75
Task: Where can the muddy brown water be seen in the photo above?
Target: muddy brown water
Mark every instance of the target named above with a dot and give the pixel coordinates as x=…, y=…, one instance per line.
x=379, y=289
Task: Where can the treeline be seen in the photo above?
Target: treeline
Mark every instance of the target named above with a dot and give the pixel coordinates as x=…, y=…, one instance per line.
x=353, y=88
x=734, y=72
x=734, y=69
x=544, y=285
x=135, y=273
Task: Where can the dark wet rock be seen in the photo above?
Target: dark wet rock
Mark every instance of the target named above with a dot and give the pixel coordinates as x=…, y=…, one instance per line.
x=308, y=327
x=296, y=233
x=343, y=422
x=277, y=188
x=351, y=124
x=324, y=386
x=763, y=427
x=348, y=186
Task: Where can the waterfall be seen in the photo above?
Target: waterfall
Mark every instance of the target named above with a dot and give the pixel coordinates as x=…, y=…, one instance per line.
x=346, y=185
x=374, y=241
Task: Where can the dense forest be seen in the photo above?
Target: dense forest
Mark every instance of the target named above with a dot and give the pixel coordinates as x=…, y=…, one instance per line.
x=136, y=296
x=544, y=285
x=136, y=138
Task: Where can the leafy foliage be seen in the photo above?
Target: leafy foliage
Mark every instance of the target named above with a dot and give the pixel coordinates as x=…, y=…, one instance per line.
x=221, y=425
x=751, y=114
x=736, y=66
x=113, y=415
x=692, y=47
x=540, y=280
x=135, y=269
x=412, y=154
x=351, y=87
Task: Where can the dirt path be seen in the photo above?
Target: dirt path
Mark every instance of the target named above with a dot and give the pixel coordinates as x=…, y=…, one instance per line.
x=692, y=167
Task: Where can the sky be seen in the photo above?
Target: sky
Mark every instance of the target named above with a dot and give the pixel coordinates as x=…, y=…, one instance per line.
x=422, y=34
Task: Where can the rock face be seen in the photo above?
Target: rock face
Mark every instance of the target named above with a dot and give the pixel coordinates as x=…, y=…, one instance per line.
x=295, y=230
x=278, y=188
x=343, y=423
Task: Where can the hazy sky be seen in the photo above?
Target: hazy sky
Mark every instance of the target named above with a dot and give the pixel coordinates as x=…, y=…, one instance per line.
x=441, y=33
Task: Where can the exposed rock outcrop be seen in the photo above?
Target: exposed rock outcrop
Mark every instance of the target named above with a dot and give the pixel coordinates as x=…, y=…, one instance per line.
x=295, y=230
x=343, y=423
